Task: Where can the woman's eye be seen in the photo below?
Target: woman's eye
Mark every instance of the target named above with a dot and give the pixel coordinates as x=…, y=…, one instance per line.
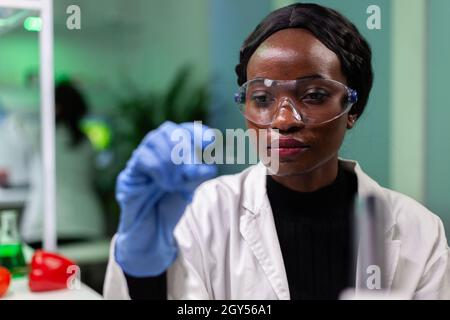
x=315, y=97
x=260, y=99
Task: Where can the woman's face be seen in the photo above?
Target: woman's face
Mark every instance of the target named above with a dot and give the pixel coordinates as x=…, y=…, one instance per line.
x=287, y=55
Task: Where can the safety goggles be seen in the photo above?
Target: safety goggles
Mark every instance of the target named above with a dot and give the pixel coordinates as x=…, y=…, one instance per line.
x=313, y=101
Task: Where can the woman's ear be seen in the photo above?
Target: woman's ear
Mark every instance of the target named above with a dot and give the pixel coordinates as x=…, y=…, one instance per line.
x=351, y=119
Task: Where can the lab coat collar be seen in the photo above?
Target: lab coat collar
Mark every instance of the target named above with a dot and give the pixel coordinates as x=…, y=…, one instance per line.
x=258, y=227
x=255, y=192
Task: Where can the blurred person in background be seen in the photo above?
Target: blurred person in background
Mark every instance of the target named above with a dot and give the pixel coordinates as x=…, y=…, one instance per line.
x=79, y=215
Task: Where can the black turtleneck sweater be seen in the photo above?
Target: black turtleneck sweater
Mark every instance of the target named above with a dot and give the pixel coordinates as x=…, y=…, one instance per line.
x=315, y=235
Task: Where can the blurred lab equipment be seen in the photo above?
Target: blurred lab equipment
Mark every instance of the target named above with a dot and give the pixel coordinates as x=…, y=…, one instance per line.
x=11, y=252
x=370, y=224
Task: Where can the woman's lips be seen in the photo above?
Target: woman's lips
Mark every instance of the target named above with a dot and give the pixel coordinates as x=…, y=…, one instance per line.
x=288, y=152
x=289, y=147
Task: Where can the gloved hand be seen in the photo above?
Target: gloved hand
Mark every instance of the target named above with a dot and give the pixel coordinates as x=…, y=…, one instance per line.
x=153, y=193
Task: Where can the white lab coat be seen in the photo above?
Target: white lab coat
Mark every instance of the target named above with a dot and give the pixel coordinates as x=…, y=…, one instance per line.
x=79, y=213
x=15, y=149
x=228, y=245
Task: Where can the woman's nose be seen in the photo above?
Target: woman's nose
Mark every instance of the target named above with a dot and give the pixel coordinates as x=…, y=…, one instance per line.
x=287, y=117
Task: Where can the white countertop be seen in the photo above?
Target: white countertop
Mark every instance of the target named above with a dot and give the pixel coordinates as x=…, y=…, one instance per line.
x=19, y=291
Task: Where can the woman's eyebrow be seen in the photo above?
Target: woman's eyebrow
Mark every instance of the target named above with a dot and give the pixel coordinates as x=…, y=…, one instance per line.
x=313, y=76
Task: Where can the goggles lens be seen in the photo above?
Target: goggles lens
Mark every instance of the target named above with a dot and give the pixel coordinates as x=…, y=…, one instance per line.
x=313, y=101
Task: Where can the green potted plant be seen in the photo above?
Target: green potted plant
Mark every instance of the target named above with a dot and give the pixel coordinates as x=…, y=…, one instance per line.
x=135, y=116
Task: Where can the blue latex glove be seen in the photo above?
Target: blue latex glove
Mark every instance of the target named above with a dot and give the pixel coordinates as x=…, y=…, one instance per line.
x=153, y=193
